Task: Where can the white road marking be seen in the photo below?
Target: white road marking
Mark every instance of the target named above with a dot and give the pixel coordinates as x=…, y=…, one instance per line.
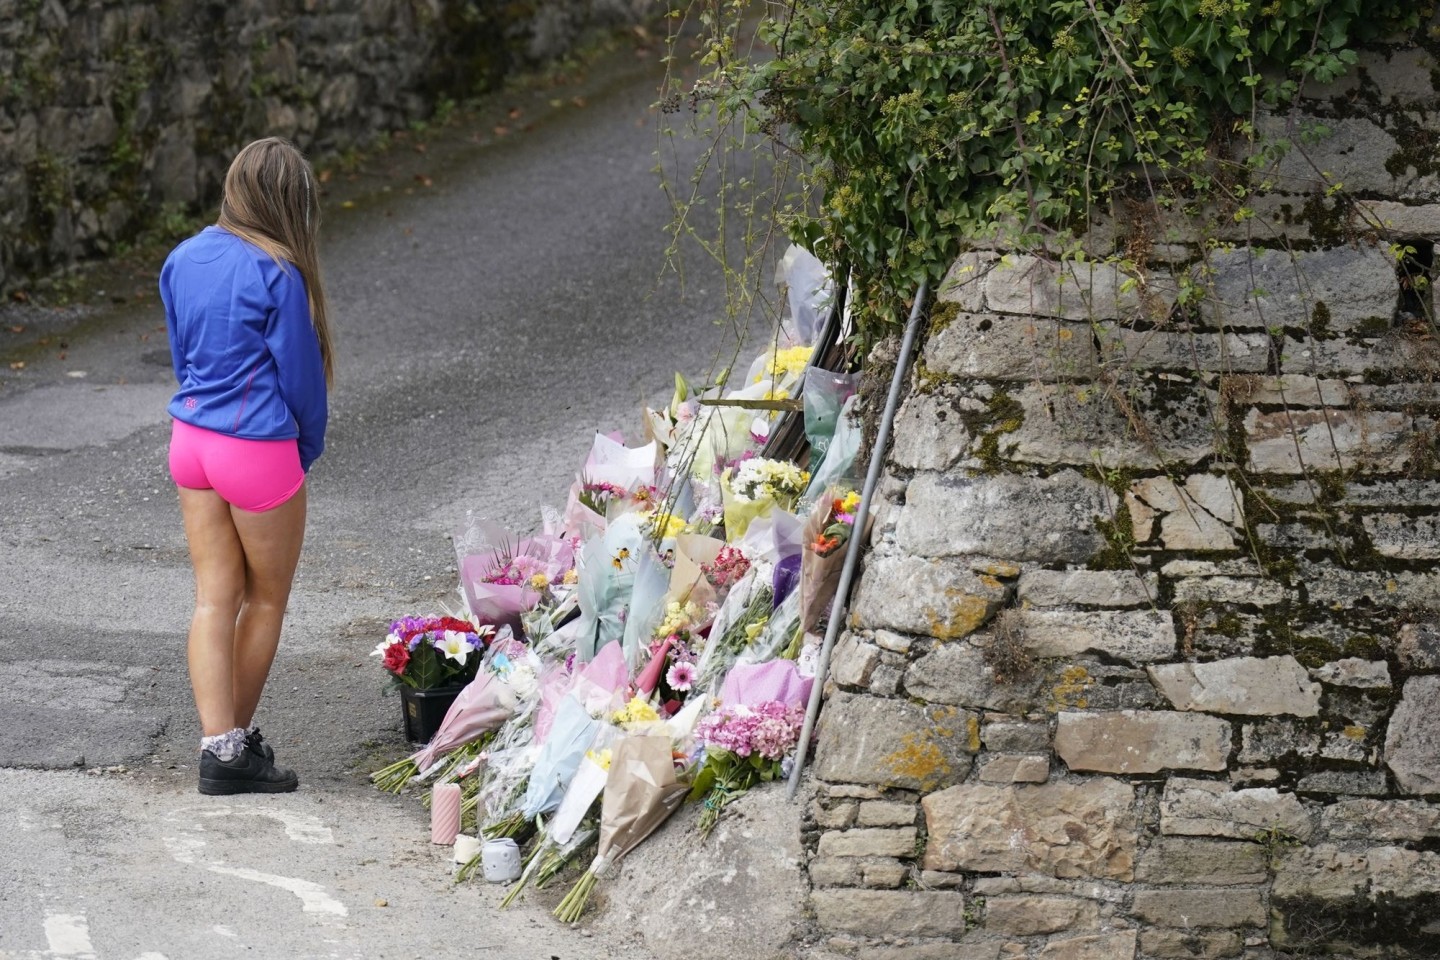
x=225, y=931
x=312, y=895
x=68, y=935
x=183, y=849
x=300, y=827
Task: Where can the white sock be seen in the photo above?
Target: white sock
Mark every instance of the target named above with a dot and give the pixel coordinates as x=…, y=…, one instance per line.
x=225, y=746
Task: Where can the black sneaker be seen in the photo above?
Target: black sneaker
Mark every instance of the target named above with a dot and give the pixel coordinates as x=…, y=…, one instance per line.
x=247, y=773
x=255, y=742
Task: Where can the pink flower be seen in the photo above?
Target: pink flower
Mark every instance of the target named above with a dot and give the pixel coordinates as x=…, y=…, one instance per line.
x=681, y=676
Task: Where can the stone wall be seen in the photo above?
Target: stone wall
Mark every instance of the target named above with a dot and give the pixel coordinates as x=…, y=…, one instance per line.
x=1144, y=661
x=116, y=115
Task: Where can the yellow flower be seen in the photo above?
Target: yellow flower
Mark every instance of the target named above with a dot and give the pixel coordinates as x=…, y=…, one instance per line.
x=571, y=577
x=539, y=581
x=638, y=710
x=601, y=758
x=850, y=502
x=753, y=631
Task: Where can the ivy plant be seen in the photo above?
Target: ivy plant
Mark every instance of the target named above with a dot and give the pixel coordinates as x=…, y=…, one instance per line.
x=927, y=126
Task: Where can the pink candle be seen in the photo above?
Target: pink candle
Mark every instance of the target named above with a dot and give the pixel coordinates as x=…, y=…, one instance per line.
x=444, y=813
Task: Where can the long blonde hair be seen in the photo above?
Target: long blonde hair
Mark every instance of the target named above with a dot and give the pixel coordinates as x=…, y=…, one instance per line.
x=270, y=200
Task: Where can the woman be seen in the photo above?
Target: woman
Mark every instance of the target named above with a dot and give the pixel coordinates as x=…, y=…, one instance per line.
x=250, y=340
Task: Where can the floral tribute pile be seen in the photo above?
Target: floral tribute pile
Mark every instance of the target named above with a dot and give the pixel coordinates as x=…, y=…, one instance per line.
x=655, y=641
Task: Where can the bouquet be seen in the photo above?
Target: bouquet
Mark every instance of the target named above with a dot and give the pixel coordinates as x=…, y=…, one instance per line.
x=748, y=740
x=640, y=793
x=429, y=652
x=743, y=746
x=502, y=578
x=756, y=486
x=828, y=530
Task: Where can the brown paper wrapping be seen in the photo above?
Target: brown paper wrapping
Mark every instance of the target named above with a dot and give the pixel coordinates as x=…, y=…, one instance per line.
x=640, y=794
x=819, y=576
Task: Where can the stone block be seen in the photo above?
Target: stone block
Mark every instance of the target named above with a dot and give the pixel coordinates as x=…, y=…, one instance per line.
x=1390, y=493
x=885, y=813
x=1200, y=514
x=1252, y=686
x=832, y=815
x=835, y=872
x=893, y=642
x=1354, y=672
x=1209, y=808
x=929, y=432
x=854, y=661
x=1034, y=916
x=964, y=282
x=1306, y=441
x=893, y=743
x=1251, y=591
x=1352, y=151
x=1235, y=907
x=1050, y=520
x=1387, y=821
x=1216, y=863
x=1134, y=636
x=969, y=949
x=1068, y=424
x=1297, y=390
x=992, y=347
x=883, y=874
x=1272, y=740
x=1205, y=351
x=939, y=598
x=1355, y=357
x=1092, y=290
x=1142, y=741
x=1419, y=646
x=890, y=913
x=1362, y=783
x=1402, y=589
x=957, y=673
x=1269, y=289
x=1087, y=588
x=1404, y=537
x=1016, y=736
x=1190, y=944
x=1401, y=219
x=1105, y=946
x=1325, y=872
x=1412, y=743
x=1072, y=830
x=1013, y=768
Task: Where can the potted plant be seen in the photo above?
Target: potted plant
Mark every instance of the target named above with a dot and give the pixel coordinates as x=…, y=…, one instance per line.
x=431, y=659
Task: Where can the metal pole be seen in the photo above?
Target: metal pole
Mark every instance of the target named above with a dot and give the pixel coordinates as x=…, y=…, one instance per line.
x=852, y=552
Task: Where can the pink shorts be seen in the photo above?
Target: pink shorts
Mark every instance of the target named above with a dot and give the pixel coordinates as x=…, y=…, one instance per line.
x=254, y=475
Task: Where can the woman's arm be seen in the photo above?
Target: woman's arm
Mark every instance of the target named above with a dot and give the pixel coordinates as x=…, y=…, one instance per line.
x=291, y=339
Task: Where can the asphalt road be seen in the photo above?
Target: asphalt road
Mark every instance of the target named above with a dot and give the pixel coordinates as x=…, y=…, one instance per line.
x=497, y=299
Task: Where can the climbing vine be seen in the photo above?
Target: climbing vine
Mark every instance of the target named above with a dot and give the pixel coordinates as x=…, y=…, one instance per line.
x=921, y=128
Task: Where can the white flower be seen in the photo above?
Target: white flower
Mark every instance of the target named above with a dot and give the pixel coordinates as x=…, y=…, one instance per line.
x=385, y=644
x=522, y=678
x=454, y=645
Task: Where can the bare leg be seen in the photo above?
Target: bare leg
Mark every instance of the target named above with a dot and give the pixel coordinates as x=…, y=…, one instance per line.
x=271, y=542
x=219, y=562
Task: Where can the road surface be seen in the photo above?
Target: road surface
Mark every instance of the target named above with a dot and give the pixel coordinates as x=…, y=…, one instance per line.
x=496, y=299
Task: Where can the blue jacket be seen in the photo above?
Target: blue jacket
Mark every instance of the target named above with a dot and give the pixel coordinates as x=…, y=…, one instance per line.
x=244, y=349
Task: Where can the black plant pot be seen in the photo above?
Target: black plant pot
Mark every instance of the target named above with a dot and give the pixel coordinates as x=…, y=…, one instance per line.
x=425, y=709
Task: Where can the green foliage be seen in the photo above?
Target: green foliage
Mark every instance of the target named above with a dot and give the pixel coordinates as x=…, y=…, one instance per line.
x=929, y=126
